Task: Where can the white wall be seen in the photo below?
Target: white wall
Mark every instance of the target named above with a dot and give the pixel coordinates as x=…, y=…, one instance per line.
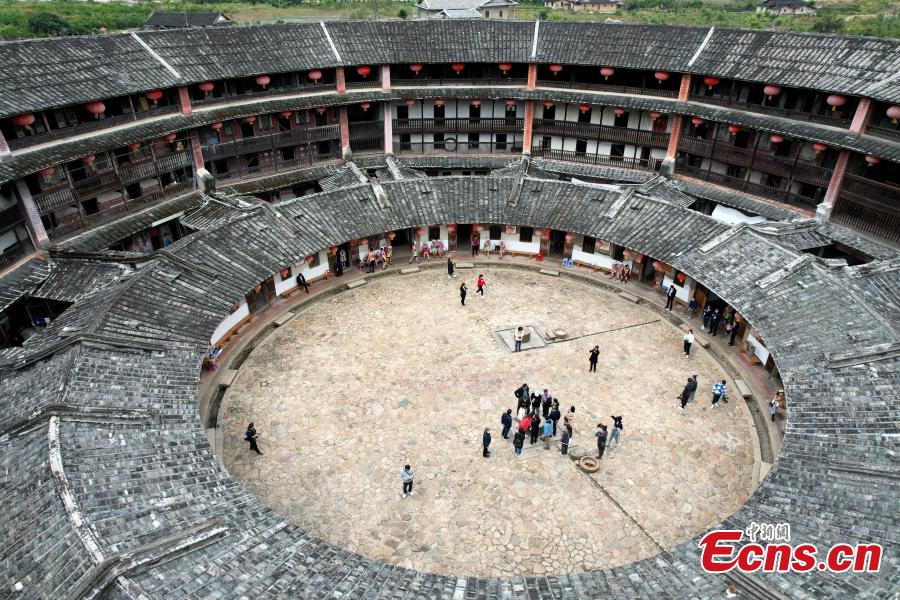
x=229, y=322
x=511, y=240
x=683, y=292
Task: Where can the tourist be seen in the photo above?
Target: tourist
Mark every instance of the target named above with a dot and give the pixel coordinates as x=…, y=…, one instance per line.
x=569, y=420
x=707, y=313
x=518, y=442
x=506, y=421
x=692, y=306
x=554, y=415
x=601, y=439
x=480, y=284
x=693, y=388
x=564, y=442
x=487, y=248
x=342, y=257
x=548, y=433
x=670, y=296
x=379, y=258
x=616, y=430
x=714, y=319
x=415, y=254
x=301, y=281
x=406, y=476
x=592, y=359
x=338, y=268
x=523, y=394
x=535, y=427
x=450, y=267
x=773, y=408
x=685, y=394
x=486, y=442
x=462, y=293
x=502, y=249
x=389, y=254
x=520, y=333
x=475, y=245
x=535, y=403
x=525, y=423
x=688, y=340
x=718, y=392
x=426, y=250
x=251, y=436
x=732, y=332
x=370, y=264
x=546, y=400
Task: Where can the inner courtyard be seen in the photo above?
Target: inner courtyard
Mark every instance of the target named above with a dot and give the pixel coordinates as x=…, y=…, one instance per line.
x=397, y=372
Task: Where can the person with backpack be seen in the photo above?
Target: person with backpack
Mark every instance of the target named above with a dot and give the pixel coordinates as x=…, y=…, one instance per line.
x=406, y=476
x=251, y=436
x=519, y=441
x=506, y=421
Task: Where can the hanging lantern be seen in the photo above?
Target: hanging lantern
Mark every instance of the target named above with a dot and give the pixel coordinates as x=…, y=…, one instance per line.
x=835, y=100
x=320, y=110
x=170, y=137
x=47, y=174
x=626, y=254
x=819, y=147
x=420, y=231
x=681, y=277
x=25, y=121
x=96, y=108
x=569, y=236
x=548, y=104
x=315, y=75
x=457, y=67
x=607, y=72
x=697, y=121
x=733, y=129
x=263, y=81
x=771, y=90
x=416, y=68
x=504, y=67
x=619, y=111
x=556, y=69
x=310, y=259
x=776, y=138
x=655, y=115
x=154, y=95
x=451, y=227
x=438, y=102
x=584, y=108
x=476, y=103
x=364, y=71
x=710, y=82
x=656, y=265
x=365, y=106
x=250, y=119
x=391, y=235
x=510, y=103
x=206, y=87
x=217, y=125
x=409, y=102
x=894, y=113
x=287, y=114
x=88, y=160
x=872, y=160
x=332, y=250
x=661, y=76
x=134, y=146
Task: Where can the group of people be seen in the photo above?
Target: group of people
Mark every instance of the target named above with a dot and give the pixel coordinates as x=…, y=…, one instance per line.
x=378, y=257
x=428, y=249
x=487, y=246
x=620, y=272
x=463, y=289
x=719, y=392
x=712, y=318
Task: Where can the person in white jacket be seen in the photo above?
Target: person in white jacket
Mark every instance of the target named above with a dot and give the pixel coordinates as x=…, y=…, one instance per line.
x=688, y=340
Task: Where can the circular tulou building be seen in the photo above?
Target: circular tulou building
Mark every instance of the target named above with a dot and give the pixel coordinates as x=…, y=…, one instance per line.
x=162, y=190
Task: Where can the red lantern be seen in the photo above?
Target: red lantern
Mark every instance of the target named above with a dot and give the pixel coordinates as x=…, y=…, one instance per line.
x=263, y=81
x=661, y=76
x=206, y=87
x=416, y=68
x=170, y=137
x=771, y=90
x=25, y=120
x=391, y=235
x=655, y=115
x=451, y=227
x=681, y=277
x=871, y=159
x=217, y=126
x=548, y=104
x=607, y=72
x=310, y=259
x=626, y=254
x=333, y=250
x=287, y=114
x=504, y=67
x=510, y=103
x=47, y=174
x=320, y=110
x=154, y=95
x=458, y=67
x=250, y=119
x=656, y=265
x=555, y=69
x=619, y=111
x=569, y=237
x=364, y=71
x=88, y=160
x=776, y=138
x=733, y=129
x=134, y=146
x=315, y=75
x=710, y=82
x=438, y=102
x=819, y=147
x=584, y=108
x=835, y=100
x=476, y=103
x=894, y=113
x=409, y=102
x=96, y=108
x=365, y=106
x=420, y=231
x=697, y=121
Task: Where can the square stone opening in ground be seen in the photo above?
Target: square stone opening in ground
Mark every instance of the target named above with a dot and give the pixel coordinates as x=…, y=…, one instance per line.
x=507, y=337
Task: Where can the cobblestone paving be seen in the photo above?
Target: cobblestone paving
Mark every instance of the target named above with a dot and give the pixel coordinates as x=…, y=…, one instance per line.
x=398, y=372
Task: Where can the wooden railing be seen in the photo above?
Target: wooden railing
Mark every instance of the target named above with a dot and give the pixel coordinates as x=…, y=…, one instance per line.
x=650, y=164
x=885, y=132
x=743, y=185
x=239, y=172
x=607, y=133
x=96, y=182
x=456, y=81
x=602, y=87
x=271, y=91
x=885, y=196
x=294, y=137
x=52, y=199
x=867, y=216
x=11, y=255
x=367, y=130
x=772, y=110
x=459, y=125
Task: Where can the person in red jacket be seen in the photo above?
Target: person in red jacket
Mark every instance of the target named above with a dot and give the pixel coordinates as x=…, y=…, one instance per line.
x=480, y=284
x=525, y=424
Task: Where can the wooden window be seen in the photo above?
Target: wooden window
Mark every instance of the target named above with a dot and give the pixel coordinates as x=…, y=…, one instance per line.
x=525, y=234
x=587, y=246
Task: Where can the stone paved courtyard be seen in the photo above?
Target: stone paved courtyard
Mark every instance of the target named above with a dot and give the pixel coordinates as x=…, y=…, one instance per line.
x=398, y=372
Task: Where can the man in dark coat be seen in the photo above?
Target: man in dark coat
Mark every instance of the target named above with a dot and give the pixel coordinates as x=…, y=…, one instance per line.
x=670, y=296
x=554, y=416
x=535, y=428
x=592, y=359
x=251, y=436
x=506, y=421
x=601, y=439
x=301, y=281
x=486, y=441
x=686, y=393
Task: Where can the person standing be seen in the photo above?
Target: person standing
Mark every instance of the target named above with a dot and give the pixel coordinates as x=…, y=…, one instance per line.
x=706, y=314
x=301, y=281
x=564, y=442
x=718, y=392
x=569, y=421
x=601, y=439
x=342, y=258
x=616, y=430
x=523, y=394
x=593, y=358
x=520, y=333
x=486, y=442
x=388, y=255
x=693, y=388
x=525, y=424
x=462, y=293
x=480, y=284
x=546, y=401
x=773, y=408
x=554, y=416
x=415, y=253
x=692, y=306
x=406, y=476
x=251, y=436
x=450, y=267
x=518, y=442
x=685, y=394
x=688, y=340
x=670, y=296
x=338, y=268
x=506, y=421
x=475, y=245
x=714, y=319
x=547, y=433
x=733, y=332
x=535, y=404
x=502, y=248
x=535, y=428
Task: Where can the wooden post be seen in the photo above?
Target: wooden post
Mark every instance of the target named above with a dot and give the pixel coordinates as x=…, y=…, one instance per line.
x=184, y=99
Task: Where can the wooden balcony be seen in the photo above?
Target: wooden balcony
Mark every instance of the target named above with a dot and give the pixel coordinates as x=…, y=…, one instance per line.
x=53, y=199
x=595, y=159
x=458, y=81
x=241, y=172
x=884, y=132
x=96, y=183
x=262, y=143
x=604, y=133
x=869, y=206
x=131, y=173
x=602, y=87
x=13, y=254
x=370, y=130
x=773, y=110
x=290, y=90
x=743, y=185
x=881, y=195
x=459, y=125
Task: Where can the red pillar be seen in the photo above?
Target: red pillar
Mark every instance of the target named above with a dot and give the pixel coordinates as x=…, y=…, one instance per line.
x=185, y=100
x=345, y=132
x=834, y=186
x=388, y=128
x=340, y=81
x=197, y=152
x=529, y=126
x=672, y=148
x=685, y=88
x=861, y=116
x=32, y=214
x=385, y=78
x=532, y=76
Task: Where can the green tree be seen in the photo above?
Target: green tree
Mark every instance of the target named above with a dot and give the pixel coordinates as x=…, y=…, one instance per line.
x=47, y=24
x=828, y=24
x=402, y=13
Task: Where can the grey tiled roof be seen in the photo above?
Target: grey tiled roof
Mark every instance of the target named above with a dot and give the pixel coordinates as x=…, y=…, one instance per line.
x=734, y=199
x=71, y=280
x=21, y=280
